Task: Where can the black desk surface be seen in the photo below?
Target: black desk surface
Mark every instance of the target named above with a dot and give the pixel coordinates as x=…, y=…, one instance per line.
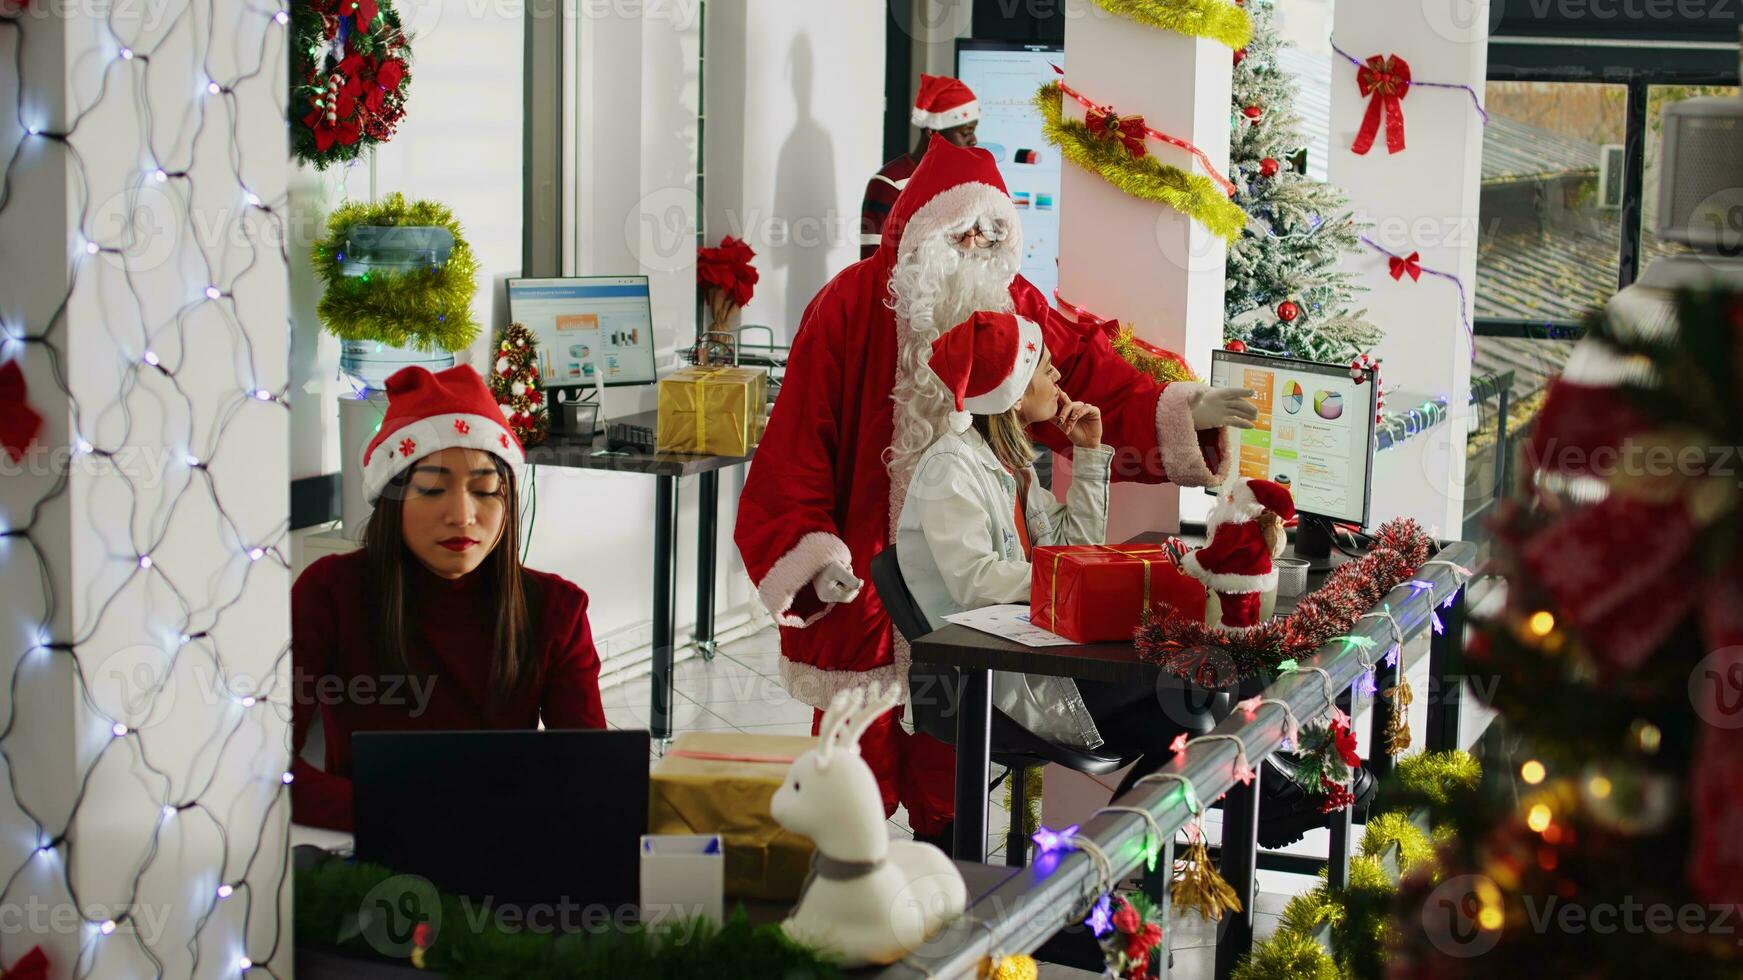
x=1117, y=663
x=563, y=449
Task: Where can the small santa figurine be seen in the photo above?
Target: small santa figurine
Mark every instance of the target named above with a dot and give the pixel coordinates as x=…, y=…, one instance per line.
x=1245, y=533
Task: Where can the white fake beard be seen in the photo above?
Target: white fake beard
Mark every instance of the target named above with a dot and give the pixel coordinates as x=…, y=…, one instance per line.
x=933, y=288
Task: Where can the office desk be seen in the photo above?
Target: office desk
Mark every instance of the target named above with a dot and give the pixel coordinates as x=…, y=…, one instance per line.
x=574, y=452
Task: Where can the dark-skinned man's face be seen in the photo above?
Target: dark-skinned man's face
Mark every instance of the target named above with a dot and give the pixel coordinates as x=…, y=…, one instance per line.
x=962, y=135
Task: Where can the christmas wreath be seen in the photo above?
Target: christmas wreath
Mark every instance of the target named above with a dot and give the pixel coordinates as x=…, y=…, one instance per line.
x=1145, y=177
x=349, y=77
x=426, y=308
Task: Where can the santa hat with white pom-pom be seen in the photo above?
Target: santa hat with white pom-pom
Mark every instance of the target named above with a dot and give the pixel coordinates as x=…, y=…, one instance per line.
x=986, y=361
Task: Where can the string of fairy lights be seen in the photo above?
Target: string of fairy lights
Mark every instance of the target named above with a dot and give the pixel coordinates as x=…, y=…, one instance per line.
x=162, y=360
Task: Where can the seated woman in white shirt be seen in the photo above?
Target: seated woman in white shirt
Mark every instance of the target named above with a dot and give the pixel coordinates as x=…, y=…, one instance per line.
x=974, y=510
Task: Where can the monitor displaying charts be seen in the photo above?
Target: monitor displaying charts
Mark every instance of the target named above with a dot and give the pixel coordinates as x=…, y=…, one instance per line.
x=1315, y=432
x=1004, y=76
x=586, y=324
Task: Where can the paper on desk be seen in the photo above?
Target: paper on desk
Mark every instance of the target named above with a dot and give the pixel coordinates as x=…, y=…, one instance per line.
x=1010, y=622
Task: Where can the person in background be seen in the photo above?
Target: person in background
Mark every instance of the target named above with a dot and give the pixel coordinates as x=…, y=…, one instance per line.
x=944, y=106
x=434, y=624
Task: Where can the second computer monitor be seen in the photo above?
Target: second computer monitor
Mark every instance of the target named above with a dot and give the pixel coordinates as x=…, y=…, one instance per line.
x=586, y=324
x=1314, y=434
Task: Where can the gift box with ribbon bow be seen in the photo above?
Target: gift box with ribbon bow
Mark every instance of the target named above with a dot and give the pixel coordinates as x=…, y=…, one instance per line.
x=1099, y=593
x=711, y=410
x=721, y=783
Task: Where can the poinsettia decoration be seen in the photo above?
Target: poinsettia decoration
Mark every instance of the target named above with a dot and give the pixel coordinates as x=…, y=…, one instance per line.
x=1326, y=760
x=349, y=77
x=725, y=278
x=1130, y=931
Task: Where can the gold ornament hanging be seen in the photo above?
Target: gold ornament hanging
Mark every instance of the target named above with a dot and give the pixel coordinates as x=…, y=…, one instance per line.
x=1019, y=967
x=1197, y=885
x=1398, y=724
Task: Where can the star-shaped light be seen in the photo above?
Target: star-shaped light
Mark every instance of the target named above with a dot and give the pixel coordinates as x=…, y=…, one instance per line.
x=1366, y=685
x=1286, y=666
x=1179, y=744
x=1365, y=643
x=1055, y=840
x=1434, y=620
x=1101, y=916
x=1244, y=773
x=1391, y=658
x=1251, y=705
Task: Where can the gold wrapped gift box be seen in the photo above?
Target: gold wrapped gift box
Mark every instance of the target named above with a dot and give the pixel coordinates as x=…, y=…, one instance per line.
x=715, y=411
x=721, y=783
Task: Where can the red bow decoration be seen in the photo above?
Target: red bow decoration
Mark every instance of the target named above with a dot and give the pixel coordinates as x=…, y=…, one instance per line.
x=1410, y=265
x=19, y=423
x=1129, y=130
x=1384, y=80
x=31, y=966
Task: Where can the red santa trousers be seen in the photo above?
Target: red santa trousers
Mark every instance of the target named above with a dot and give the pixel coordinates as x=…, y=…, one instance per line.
x=914, y=770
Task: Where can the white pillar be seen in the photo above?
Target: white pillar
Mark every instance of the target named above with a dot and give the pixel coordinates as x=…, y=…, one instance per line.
x=1422, y=199
x=109, y=716
x=1121, y=257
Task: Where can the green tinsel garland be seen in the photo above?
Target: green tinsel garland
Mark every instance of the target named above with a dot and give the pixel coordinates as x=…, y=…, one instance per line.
x=1145, y=177
x=1213, y=19
x=1438, y=776
x=1414, y=847
x=329, y=896
x=428, y=310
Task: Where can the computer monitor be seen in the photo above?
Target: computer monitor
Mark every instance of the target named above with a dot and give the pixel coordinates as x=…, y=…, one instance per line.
x=1004, y=76
x=588, y=323
x=1315, y=432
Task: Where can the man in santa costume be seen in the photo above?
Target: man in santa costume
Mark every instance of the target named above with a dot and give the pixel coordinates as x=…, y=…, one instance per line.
x=859, y=404
x=1244, y=532
x=943, y=106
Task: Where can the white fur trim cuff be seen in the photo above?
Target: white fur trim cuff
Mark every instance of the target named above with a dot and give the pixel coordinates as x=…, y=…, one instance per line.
x=948, y=119
x=957, y=208
x=409, y=443
x=1228, y=581
x=1178, y=440
x=815, y=686
x=795, y=570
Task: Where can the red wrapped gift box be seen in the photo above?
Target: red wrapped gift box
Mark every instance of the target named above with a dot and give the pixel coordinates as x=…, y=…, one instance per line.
x=1098, y=593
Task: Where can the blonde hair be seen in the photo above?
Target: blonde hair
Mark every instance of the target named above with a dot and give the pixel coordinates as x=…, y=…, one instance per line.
x=1008, y=437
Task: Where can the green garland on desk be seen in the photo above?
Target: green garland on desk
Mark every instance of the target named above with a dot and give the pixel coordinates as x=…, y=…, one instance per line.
x=428, y=309
x=1215, y=20
x=331, y=896
x=1145, y=177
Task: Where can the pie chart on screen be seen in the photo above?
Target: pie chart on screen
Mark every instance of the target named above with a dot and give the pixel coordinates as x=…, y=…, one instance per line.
x=1292, y=397
x=1328, y=405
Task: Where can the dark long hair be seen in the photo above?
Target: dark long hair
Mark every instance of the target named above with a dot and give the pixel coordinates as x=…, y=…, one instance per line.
x=388, y=564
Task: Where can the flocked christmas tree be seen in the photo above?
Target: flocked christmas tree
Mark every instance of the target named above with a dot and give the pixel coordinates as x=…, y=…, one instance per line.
x=514, y=380
x=1284, y=291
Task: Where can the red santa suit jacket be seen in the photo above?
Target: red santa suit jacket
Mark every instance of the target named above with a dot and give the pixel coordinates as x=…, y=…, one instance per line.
x=819, y=491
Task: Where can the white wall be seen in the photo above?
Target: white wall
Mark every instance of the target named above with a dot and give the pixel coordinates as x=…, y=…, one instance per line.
x=795, y=129
x=75, y=579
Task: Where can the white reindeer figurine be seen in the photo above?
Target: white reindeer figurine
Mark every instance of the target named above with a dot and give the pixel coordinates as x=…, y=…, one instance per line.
x=869, y=899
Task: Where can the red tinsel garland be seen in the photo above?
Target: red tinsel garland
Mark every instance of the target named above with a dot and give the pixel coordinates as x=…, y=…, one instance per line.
x=1179, y=644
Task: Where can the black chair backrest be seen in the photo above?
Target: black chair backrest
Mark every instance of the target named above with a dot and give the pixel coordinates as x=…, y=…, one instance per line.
x=928, y=684
x=886, y=576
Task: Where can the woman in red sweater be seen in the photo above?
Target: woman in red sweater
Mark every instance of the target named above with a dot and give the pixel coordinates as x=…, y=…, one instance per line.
x=434, y=624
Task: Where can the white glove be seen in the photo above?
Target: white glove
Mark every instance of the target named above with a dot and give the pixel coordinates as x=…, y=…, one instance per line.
x=1214, y=408
x=836, y=583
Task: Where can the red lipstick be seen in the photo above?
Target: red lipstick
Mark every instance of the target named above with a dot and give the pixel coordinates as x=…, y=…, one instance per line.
x=458, y=544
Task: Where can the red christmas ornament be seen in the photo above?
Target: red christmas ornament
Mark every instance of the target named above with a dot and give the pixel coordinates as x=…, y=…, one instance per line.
x=1287, y=311
x=1252, y=112
x=1238, y=346
x=1268, y=167
x=1240, y=55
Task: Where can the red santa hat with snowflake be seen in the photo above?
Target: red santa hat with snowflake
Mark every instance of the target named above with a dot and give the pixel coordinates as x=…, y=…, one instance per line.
x=986, y=361
x=944, y=103
x=1235, y=561
x=427, y=413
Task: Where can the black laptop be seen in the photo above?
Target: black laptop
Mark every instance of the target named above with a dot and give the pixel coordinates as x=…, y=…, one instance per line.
x=518, y=817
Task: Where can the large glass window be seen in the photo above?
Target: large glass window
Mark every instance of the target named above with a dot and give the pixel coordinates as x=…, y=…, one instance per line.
x=1550, y=233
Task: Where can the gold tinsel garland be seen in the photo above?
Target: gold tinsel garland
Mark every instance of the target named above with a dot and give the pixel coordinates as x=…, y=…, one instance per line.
x=1145, y=177
x=1216, y=20
x=1161, y=369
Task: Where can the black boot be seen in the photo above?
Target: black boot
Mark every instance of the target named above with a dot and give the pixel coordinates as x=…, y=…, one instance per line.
x=1287, y=811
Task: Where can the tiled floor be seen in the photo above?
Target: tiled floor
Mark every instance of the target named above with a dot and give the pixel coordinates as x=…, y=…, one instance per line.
x=740, y=690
